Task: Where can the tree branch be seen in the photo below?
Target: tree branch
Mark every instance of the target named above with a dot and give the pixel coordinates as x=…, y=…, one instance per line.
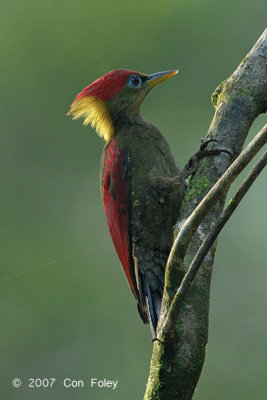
x=193, y=221
x=178, y=357
x=212, y=235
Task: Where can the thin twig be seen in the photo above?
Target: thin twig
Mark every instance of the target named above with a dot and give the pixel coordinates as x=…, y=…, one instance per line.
x=193, y=221
x=211, y=237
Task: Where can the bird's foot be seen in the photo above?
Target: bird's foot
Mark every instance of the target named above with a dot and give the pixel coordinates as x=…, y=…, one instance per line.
x=155, y=339
x=192, y=164
x=168, y=185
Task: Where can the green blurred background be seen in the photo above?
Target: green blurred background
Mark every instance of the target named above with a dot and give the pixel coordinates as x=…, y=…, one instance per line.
x=66, y=309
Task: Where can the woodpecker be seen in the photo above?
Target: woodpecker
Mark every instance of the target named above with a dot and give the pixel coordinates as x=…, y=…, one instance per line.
x=140, y=190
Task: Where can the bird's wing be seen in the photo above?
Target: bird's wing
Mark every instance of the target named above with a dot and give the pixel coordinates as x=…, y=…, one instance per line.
x=117, y=204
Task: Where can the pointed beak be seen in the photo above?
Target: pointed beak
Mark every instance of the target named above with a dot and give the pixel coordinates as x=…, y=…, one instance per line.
x=154, y=79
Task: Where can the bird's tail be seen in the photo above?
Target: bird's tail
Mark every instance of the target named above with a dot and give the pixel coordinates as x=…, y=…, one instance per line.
x=150, y=306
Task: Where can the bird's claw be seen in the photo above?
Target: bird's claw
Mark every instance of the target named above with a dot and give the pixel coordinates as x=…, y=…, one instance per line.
x=204, y=143
x=155, y=339
x=192, y=164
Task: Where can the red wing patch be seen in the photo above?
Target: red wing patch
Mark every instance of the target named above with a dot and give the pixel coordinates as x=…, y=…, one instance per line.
x=116, y=198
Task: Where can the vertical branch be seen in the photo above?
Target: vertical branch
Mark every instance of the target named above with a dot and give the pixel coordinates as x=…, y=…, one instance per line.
x=179, y=355
x=218, y=225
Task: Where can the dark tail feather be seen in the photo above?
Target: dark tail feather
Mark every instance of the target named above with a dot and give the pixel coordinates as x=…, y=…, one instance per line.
x=153, y=301
x=149, y=309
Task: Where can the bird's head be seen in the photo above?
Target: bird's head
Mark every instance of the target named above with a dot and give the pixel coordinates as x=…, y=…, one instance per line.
x=115, y=95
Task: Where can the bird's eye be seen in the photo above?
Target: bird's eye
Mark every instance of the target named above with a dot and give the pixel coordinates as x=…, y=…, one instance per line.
x=135, y=81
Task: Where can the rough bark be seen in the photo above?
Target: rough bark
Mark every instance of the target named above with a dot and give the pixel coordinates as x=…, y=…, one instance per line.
x=179, y=353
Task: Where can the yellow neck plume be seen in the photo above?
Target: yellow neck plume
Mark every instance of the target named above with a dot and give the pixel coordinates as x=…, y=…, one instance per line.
x=94, y=112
